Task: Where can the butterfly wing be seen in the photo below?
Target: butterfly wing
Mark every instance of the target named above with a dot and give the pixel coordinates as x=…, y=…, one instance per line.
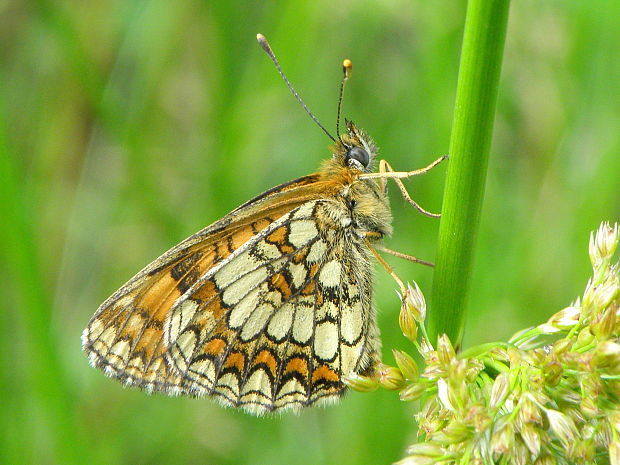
x=268, y=315
x=278, y=324
x=124, y=337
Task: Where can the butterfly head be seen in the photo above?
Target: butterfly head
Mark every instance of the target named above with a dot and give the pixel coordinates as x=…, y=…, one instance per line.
x=355, y=149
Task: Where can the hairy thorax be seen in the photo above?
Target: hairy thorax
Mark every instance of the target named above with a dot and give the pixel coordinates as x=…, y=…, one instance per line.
x=358, y=206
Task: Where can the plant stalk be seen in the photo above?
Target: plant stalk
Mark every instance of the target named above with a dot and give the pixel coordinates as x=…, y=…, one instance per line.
x=472, y=129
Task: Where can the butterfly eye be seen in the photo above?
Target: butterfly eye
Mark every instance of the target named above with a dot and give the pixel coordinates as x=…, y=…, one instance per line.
x=359, y=154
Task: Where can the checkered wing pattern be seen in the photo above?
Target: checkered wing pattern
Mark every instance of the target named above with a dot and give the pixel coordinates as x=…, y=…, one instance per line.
x=269, y=315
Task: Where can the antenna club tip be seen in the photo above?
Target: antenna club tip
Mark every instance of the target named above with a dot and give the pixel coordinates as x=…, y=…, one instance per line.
x=347, y=66
x=262, y=41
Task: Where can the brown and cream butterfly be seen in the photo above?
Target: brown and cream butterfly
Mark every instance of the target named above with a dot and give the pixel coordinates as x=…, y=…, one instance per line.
x=269, y=308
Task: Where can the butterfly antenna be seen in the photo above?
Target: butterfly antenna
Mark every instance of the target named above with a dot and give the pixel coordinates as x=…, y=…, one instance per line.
x=262, y=41
x=347, y=66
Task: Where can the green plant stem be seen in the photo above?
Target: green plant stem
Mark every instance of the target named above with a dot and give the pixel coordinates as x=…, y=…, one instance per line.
x=481, y=59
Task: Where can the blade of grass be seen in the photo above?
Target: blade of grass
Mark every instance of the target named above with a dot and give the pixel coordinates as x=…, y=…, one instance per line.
x=481, y=59
x=44, y=369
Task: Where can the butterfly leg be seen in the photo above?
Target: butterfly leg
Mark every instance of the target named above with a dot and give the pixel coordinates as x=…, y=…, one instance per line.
x=387, y=172
x=374, y=236
x=411, y=258
x=387, y=267
x=386, y=169
x=390, y=173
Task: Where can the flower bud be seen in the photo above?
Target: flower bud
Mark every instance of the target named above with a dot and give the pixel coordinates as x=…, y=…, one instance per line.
x=407, y=322
x=588, y=296
x=443, y=394
x=607, y=355
x=361, y=383
x=529, y=412
x=562, y=346
x=390, y=378
x=515, y=357
x=414, y=299
x=413, y=392
x=531, y=438
x=503, y=439
x=603, y=245
x=589, y=407
x=407, y=364
x=591, y=384
x=606, y=292
x=499, y=391
x=456, y=431
x=445, y=351
x=427, y=351
x=429, y=420
x=552, y=372
x=562, y=425
x=605, y=324
x=584, y=339
x=564, y=320
x=426, y=449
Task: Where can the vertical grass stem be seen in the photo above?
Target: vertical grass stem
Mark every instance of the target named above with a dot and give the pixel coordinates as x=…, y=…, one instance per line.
x=478, y=81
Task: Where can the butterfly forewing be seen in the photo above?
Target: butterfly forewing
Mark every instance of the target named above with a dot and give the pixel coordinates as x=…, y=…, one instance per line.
x=266, y=309
x=124, y=337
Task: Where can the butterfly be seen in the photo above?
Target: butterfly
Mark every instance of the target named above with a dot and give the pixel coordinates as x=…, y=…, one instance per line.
x=269, y=308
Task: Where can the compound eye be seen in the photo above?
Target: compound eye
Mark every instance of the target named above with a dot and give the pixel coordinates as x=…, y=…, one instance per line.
x=359, y=154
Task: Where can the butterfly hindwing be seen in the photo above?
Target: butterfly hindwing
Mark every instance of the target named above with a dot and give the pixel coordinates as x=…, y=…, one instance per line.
x=268, y=328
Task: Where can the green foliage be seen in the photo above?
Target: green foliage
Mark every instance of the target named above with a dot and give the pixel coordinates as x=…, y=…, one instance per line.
x=127, y=126
x=533, y=399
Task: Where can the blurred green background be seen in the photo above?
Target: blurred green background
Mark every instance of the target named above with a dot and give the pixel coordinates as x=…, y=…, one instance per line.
x=125, y=126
